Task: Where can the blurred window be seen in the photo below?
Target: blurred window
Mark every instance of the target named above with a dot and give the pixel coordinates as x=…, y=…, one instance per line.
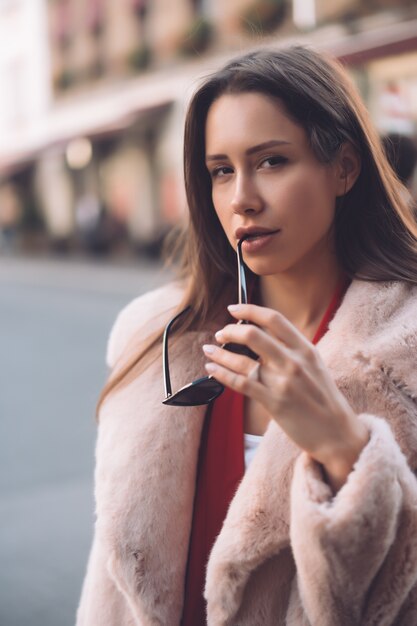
x=140, y=7
x=11, y=99
x=5, y=4
x=200, y=6
x=95, y=15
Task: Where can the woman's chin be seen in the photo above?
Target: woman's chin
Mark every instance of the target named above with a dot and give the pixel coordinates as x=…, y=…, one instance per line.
x=265, y=269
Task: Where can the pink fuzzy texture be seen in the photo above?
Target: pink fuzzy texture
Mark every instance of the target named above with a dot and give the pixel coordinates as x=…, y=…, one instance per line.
x=289, y=553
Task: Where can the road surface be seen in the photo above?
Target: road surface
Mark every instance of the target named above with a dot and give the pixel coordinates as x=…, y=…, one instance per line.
x=55, y=316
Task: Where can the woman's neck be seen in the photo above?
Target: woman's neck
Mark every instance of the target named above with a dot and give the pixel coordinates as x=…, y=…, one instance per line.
x=303, y=294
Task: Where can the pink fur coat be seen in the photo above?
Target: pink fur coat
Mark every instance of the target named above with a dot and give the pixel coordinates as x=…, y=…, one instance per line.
x=289, y=553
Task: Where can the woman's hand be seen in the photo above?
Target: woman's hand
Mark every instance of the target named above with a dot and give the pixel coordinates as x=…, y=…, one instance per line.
x=293, y=385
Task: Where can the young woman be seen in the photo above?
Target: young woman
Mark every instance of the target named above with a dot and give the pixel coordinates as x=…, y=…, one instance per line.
x=289, y=499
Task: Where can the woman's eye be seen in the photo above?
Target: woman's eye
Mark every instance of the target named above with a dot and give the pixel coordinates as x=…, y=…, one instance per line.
x=219, y=172
x=273, y=161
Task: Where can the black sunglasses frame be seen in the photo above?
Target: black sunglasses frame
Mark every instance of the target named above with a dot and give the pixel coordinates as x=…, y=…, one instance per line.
x=206, y=389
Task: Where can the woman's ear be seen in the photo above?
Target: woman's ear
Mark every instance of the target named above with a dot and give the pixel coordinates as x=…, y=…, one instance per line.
x=348, y=167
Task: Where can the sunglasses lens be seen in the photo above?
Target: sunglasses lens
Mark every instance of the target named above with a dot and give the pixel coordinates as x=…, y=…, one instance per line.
x=201, y=391
x=238, y=348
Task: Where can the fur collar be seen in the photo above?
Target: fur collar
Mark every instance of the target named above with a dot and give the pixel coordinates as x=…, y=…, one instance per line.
x=147, y=455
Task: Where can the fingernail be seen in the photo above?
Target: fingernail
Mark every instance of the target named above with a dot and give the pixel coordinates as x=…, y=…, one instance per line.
x=210, y=367
x=233, y=308
x=208, y=349
x=219, y=335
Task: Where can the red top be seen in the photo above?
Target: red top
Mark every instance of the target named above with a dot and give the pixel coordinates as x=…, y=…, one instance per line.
x=220, y=469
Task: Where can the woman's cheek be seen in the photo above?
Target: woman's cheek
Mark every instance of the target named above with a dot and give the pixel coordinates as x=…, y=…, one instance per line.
x=216, y=199
x=293, y=201
x=224, y=215
x=309, y=198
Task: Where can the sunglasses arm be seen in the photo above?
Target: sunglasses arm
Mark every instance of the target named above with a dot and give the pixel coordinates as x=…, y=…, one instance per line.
x=165, y=361
x=165, y=364
x=242, y=289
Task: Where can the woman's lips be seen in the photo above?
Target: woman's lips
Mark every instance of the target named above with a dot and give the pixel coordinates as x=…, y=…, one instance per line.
x=257, y=241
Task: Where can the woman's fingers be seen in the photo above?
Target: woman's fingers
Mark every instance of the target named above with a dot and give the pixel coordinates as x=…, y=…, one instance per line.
x=272, y=321
x=237, y=381
x=238, y=363
x=263, y=344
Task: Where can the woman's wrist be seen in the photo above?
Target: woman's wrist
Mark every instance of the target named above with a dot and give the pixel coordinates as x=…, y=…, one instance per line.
x=339, y=463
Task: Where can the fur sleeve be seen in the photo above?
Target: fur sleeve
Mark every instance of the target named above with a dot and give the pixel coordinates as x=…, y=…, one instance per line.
x=356, y=553
x=146, y=311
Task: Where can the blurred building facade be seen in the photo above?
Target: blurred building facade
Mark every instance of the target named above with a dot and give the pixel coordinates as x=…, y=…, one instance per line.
x=94, y=92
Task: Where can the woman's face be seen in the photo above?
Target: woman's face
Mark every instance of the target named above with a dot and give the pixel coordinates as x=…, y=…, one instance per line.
x=266, y=181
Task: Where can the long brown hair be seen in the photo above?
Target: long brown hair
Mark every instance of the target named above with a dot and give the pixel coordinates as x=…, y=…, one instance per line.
x=375, y=232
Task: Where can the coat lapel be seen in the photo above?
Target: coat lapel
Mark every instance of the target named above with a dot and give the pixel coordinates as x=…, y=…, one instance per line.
x=146, y=469
x=256, y=526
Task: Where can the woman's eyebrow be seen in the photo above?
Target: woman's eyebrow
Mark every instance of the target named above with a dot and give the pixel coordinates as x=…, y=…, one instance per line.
x=261, y=146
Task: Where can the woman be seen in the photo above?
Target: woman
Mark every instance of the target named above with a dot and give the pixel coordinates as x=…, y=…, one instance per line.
x=322, y=524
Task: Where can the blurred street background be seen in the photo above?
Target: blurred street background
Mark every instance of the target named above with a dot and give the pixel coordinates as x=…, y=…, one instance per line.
x=54, y=321
x=92, y=101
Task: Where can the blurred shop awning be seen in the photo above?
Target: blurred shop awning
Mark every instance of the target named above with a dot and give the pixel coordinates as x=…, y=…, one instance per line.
x=115, y=107
x=387, y=40
x=91, y=114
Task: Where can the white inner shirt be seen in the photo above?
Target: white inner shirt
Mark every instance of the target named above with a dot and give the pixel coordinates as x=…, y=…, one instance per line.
x=251, y=443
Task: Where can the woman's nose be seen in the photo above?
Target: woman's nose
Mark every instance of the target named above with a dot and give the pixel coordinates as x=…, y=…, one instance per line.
x=246, y=197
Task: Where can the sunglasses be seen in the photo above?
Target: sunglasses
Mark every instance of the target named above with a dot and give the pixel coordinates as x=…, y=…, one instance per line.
x=206, y=389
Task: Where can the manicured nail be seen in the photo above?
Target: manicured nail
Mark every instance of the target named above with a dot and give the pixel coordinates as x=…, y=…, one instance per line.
x=208, y=349
x=233, y=308
x=210, y=367
x=219, y=335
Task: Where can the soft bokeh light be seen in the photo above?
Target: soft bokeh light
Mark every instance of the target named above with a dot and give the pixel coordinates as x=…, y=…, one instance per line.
x=78, y=153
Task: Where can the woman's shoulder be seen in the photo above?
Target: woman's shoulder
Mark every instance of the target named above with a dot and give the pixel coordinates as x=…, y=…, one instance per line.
x=378, y=317
x=376, y=325
x=149, y=312
x=379, y=307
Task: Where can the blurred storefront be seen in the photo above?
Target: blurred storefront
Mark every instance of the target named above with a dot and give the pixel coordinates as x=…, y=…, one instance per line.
x=94, y=160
